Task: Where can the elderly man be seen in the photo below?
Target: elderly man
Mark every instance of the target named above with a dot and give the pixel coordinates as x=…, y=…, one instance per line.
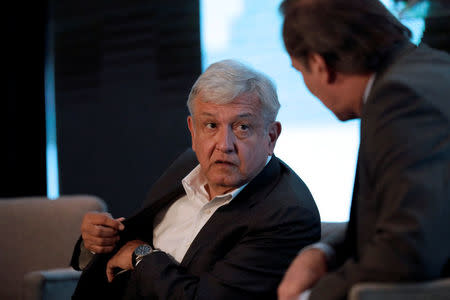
x=357, y=59
x=225, y=228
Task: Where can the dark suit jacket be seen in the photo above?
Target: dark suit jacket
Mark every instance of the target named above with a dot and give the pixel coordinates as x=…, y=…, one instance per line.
x=240, y=253
x=399, y=228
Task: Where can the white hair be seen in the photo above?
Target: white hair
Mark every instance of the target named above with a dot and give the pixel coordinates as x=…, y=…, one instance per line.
x=225, y=80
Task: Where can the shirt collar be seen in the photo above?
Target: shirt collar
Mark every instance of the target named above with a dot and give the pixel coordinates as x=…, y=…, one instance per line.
x=194, y=185
x=368, y=87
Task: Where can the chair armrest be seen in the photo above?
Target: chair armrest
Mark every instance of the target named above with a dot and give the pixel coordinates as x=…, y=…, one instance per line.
x=438, y=289
x=54, y=284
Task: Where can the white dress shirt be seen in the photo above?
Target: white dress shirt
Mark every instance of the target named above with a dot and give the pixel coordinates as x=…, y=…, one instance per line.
x=176, y=227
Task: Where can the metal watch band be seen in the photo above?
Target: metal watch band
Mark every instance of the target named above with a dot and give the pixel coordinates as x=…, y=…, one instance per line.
x=139, y=253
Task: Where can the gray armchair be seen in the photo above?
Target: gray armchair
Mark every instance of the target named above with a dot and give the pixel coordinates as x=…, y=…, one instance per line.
x=38, y=239
x=431, y=290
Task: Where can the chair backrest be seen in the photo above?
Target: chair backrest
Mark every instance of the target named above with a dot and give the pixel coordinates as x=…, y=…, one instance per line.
x=38, y=234
x=333, y=228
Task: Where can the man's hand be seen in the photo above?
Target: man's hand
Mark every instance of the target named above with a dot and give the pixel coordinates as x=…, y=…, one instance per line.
x=100, y=232
x=122, y=259
x=306, y=269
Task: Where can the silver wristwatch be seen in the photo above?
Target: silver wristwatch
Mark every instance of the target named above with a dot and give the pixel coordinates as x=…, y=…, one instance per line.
x=140, y=252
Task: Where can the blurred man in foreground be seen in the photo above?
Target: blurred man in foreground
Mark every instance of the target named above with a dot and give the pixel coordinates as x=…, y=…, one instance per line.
x=357, y=59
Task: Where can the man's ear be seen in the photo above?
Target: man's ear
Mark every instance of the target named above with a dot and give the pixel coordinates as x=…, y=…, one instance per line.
x=190, y=123
x=274, y=132
x=318, y=65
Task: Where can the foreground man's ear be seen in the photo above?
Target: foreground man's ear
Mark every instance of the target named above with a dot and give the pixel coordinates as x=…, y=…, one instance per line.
x=319, y=67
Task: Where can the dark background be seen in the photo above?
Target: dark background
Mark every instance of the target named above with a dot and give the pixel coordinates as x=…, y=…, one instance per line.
x=123, y=71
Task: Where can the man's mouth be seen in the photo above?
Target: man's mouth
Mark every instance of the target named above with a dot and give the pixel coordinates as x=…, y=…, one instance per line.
x=224, y=162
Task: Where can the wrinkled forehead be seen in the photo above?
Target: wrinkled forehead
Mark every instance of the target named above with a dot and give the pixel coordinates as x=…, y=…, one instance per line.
x=226, y=98
x=244, y=102
x=248, y=103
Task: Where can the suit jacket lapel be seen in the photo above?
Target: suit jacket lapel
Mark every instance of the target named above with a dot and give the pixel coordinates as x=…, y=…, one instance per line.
x=350, y=238
x=165, y=190
x=140, y=225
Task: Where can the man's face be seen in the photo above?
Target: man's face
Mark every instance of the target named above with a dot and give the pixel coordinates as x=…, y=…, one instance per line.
x=317, y=80
x=231, y=141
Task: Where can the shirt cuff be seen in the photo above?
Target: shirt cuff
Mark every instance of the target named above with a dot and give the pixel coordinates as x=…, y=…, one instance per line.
x=85, y=256
x=304, y=295
x=330, y=254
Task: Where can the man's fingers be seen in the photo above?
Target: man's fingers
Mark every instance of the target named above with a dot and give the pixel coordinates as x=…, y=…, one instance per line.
x=100, y=245
x=107, y=221
x=100, y=237
x=306, y=269
x=288, y=291
x=100, y=249
x=102, y=231
x=110, y=271
x=121, y=260
x=92, y=240
x=98, y=230
x=294, y=281
x=120, y=220
x=103, y=219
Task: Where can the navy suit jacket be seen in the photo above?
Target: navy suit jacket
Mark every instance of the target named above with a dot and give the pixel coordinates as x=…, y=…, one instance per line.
x=399, y=224
x=242, y=252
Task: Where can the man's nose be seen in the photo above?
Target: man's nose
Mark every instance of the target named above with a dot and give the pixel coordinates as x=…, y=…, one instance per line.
x=225, y=140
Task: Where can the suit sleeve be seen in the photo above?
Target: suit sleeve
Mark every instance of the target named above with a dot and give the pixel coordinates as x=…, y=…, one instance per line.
x=252, y=269
x=408, y=147
x=75, y=260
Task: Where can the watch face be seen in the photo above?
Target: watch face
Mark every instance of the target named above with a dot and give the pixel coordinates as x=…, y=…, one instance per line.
x=143, y=250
